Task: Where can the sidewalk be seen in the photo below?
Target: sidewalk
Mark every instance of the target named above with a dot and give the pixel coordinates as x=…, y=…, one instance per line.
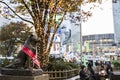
x=77, y=77
x=74, y=78
x=116, y=72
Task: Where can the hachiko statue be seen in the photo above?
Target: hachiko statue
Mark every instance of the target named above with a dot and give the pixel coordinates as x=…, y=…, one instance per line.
x=22, y=65
x=27, y=54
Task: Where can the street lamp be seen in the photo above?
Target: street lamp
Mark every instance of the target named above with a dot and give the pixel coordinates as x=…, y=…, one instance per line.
x=80, y=25
x=80, y=38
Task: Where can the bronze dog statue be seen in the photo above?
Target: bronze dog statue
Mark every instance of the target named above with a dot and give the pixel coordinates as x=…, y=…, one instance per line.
x=27, y=54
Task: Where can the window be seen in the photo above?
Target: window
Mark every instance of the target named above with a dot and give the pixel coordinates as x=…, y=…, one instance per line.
x=114, y=1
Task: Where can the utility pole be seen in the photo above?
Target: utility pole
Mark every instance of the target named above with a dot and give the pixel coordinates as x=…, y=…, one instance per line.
x=80, y=31
x=80, y=38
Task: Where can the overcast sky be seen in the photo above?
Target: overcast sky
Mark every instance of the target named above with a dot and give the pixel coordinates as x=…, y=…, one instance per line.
x=101, y=22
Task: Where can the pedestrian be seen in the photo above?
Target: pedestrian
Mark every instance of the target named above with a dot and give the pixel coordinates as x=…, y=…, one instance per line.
x=102, y=72
x=92, y=72
x=102, y=67
x=90, y=68
x=97, y=67
x=83, y=74
x=109, y=70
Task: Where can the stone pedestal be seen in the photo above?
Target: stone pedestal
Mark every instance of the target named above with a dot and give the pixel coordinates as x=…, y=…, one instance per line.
x=21, y=72
x=11, y=77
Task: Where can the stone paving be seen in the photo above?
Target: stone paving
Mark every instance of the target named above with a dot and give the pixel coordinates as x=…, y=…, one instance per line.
x=116, y=72
x=77, y=77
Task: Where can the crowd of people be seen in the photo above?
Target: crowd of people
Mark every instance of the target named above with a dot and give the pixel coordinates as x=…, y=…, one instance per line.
x=101, y=71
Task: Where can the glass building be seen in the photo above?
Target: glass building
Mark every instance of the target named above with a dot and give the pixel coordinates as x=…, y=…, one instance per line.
x=116, y=18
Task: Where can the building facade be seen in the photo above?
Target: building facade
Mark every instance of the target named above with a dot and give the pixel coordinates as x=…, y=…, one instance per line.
x=99, y=42
x=116, y=18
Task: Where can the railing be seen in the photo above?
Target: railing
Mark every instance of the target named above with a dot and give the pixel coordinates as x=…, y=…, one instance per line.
x=116, y=68
x=60, y=75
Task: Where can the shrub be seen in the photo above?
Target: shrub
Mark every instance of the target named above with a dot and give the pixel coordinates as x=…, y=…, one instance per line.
x=116, y=63
x=73, y=65
x=6, y=62
x=59, y=64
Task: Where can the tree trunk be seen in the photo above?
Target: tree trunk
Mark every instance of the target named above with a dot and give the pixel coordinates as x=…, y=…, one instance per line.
x=42, y=46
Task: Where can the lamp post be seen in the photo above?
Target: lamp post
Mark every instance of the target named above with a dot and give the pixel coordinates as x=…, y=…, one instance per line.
x=80, y=25
x=80, y=38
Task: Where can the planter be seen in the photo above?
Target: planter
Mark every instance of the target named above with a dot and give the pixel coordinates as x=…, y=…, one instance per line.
x=60, y=75
x=116, y=68
x=39, y=77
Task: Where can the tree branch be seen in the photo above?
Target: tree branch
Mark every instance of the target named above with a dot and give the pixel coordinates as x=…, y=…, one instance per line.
x=55, y=29
x=57, y=26
x=16, y=13
x=28, y=9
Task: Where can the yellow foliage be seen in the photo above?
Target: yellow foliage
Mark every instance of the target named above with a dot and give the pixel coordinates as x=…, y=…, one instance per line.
x=44, y=12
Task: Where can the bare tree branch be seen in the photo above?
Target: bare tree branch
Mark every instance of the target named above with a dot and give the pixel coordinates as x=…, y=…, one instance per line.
x=16, y=13
x=30, y=12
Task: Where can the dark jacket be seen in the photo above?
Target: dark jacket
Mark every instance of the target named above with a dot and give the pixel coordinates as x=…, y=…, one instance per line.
x=90, y=68
x=83, y=75
x=109, y=69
